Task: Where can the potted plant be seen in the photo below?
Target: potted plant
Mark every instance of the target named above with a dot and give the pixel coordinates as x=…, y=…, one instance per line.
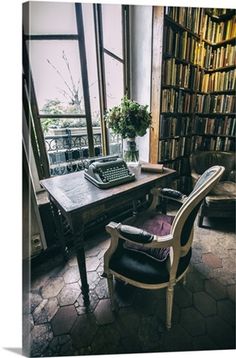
x=129, y=119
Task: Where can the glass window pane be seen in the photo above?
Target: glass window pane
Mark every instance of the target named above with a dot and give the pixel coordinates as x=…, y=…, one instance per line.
x=115, y=143
x=114, y=81
x=57, y=76
x=112, y=28
x=50, y=18
x=66, y=143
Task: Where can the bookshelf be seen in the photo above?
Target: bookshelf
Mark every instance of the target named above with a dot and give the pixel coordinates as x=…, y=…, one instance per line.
x=196, y=105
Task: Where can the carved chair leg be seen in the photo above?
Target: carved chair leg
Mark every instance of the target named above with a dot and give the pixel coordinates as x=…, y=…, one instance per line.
x=169, y=305
x=111, y=290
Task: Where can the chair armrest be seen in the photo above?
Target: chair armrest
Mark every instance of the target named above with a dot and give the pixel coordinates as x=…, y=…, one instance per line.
x=172, y=194
x=232, y=176
x=195, y=176
x=135, y=234
x=154, y=240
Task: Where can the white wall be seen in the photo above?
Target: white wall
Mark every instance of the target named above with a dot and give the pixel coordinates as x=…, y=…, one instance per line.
x=141, y=36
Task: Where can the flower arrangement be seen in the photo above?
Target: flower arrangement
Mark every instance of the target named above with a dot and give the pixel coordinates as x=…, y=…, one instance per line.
x=129, y=119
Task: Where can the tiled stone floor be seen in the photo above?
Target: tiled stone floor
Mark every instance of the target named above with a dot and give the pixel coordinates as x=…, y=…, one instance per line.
x=56, y=323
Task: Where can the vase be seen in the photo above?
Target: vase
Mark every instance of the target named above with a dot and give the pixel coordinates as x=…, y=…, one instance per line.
x=130, y=150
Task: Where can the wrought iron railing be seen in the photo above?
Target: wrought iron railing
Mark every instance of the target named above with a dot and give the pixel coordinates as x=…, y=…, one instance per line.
x=67, y=148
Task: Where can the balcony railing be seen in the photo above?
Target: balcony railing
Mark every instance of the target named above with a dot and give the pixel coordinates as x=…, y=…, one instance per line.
x=67, y=148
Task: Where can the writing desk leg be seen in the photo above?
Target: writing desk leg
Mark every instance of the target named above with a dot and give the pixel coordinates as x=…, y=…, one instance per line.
x=79, y=247
x=59, y=230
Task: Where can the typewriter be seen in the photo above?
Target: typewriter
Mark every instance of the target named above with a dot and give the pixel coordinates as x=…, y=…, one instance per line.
x=107, y=172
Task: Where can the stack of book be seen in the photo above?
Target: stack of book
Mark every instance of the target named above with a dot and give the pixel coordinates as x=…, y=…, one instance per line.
x=174, y=126
x=225, y=126
x=176, y=101
x=215, y=32
x=206, y=103
x=219, y=81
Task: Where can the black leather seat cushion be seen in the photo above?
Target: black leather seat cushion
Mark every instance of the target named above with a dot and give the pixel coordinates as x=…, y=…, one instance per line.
x=142, y=268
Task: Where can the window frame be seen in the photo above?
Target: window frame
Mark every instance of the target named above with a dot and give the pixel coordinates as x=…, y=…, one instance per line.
x=29, y=95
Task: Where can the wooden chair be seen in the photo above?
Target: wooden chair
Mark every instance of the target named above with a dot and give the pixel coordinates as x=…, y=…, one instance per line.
x=156, y=251
x=221, y=201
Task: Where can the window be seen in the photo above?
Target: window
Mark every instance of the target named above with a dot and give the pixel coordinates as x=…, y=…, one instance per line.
x=75, y=69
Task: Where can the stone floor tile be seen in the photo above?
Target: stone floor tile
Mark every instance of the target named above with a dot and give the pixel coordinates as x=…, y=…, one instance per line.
x=148, y=302
x=83, y=330
x=177, y=339
x=93, y=279
x=53, y=287
x=92, y=263
x=71, y=275
x=212, y=260
x=73, y=261
x=231, y=290
x=127, y=320
x=103, y=312
x=81, y=308
x=224, y=277
x=100, y=256
x=226, y=310
x=93, y=251
x=69, y=294
x=149, y=333
x=192, y=321
x=221, y=332
x=34, y=301
x=41, y=335
x=130, y=344
x=39, y=280
x=204, y=303
x=229, y=263
x=106, y=340
x=60, y=346
x=215, y=289
x=182, y=296
x=45, y=310
x=102, y=289
x=196, y=255
x=195, y=281
x=204, y=343
x=63, y=320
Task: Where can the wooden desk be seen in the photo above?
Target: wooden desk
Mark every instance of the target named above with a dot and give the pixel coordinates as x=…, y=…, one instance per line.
x=79, y=201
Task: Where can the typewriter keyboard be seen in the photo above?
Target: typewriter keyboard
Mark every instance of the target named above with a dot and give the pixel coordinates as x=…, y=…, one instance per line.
x=114, y=173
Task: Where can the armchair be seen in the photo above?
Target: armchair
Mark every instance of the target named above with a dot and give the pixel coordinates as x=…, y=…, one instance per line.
x=220, y=202
x=156, y=252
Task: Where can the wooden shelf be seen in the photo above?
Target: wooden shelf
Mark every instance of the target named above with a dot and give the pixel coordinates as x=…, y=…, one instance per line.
x=221, y=43
x=213, y=135
x=223, y=17
x=172, y=160
x=230, y=92
x=176, y=114
x=180, y=60
x=177, y=88
x=219, y=69
x=176, y=136
x=230, y=114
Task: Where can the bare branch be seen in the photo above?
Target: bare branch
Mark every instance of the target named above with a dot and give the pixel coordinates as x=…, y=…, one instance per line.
x=59, y=74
